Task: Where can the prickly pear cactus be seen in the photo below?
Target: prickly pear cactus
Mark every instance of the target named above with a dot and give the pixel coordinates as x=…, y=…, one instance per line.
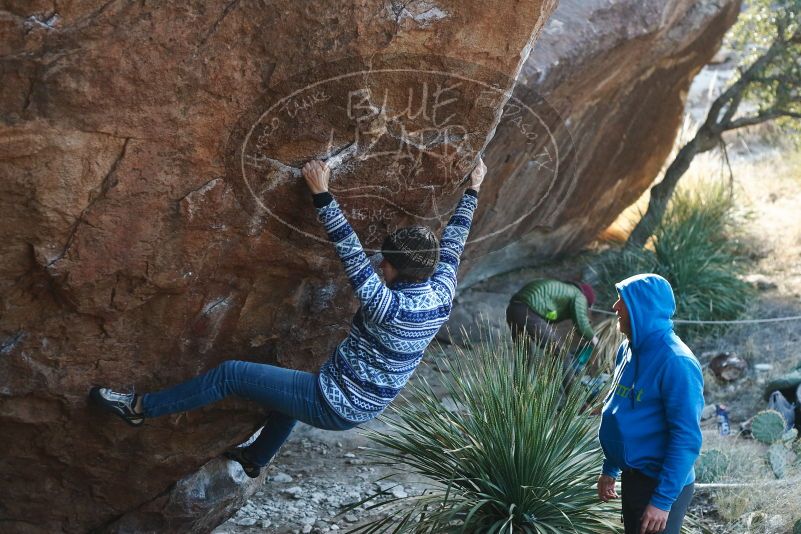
x=797, y=527
x=790, y=436
x=767, y=426
x=711, y=466
x=777, y=456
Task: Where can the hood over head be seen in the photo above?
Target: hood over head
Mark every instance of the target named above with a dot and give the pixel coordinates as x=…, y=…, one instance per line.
x=650, y=303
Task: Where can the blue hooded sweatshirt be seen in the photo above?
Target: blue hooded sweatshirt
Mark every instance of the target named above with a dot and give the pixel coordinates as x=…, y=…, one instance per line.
x=651, y=419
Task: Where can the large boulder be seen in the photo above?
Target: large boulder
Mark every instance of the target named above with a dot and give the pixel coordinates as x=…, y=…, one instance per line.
x=154, y=222
x=617, y=72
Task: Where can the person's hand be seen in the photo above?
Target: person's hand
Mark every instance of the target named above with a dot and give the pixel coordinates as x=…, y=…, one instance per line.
x=316, y=173
x=653, y=520
x=606, y=488
x=477, y=176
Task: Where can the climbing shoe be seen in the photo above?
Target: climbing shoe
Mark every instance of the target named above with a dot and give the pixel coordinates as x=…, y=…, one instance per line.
x=120, y=404
x=240, y=456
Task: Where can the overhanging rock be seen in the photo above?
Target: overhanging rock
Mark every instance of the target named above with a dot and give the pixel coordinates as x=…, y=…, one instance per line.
x=154, y=223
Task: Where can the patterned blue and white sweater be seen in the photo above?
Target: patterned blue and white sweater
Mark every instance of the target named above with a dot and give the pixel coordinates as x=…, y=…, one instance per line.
x=394, y=324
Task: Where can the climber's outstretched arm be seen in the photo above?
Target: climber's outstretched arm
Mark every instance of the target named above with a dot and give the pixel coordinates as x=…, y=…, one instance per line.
x=455, y=234
x=378, y=302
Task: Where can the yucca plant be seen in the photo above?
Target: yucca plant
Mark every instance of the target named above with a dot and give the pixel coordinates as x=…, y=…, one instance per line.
x=697, y=243
x=519, y=454
x=609, y=339
x=695, y=247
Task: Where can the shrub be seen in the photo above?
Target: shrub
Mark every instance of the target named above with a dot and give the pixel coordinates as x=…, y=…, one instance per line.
x=519, y=454
x=696, y=248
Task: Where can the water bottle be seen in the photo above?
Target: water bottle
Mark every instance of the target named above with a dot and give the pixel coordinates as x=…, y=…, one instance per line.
x=723, y=419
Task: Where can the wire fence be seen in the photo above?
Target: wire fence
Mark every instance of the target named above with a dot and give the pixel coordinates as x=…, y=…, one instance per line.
x=734, y=321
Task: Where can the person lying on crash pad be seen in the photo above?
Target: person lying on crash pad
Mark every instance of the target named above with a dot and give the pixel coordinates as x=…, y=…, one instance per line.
x=396, y=321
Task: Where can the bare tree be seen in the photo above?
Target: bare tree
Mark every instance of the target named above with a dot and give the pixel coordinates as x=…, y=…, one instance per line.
x=769, y=32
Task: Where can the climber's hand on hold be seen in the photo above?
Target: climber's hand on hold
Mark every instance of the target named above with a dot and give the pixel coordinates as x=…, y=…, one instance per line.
x=316, y=173
x=477, y=176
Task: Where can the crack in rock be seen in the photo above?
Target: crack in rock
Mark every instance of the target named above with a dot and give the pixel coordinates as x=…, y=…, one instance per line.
x=226, y=10
x=108, y=183
x=8, y=345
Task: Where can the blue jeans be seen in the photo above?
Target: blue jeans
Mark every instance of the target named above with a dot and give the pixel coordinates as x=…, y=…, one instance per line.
x=291, y=396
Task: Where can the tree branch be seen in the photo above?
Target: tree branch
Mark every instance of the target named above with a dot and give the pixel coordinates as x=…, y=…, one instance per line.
x=737, y=88
x=762, y=117
x=732, y=109
x=791, y=114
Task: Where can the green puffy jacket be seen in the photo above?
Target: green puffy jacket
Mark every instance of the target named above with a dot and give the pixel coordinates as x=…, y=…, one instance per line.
x=556, y=301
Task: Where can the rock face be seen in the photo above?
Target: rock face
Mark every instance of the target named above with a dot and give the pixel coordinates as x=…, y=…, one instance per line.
x=154, y=223
x=618, y=73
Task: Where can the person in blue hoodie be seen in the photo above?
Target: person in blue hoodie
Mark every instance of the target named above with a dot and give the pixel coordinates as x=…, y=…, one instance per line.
x=651, y=420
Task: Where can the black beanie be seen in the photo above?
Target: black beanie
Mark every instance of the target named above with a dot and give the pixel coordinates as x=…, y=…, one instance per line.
x=413, y=251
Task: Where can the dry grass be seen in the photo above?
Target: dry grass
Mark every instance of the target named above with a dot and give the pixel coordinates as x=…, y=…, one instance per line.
x=765, y=505
x=772, y=185
x=768, y=183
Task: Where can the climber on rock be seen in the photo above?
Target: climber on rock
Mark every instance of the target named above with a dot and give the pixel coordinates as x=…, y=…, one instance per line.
x=538, y=305
x=396, y=321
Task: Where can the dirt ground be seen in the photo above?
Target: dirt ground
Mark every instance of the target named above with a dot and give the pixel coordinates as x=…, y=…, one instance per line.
x=319, y=473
